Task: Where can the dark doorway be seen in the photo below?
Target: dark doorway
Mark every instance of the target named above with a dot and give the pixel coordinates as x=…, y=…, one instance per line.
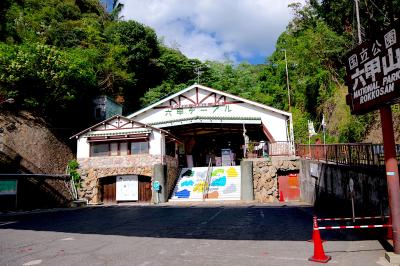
x=108, y=189
x=206, y=140
x=144, y=188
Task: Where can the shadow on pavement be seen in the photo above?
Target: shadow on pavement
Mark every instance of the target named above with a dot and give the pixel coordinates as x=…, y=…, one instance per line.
x=224, y=223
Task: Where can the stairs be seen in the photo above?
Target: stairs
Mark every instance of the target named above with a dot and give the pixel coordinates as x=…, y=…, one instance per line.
x=204, y=183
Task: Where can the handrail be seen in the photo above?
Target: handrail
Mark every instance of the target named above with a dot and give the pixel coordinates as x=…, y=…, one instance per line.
x=276, y=148
x=357, y=154
x=71, y=187
x=207, y=180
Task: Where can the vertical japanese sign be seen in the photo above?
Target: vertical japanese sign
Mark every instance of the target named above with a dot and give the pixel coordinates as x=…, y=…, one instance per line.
x=373, y=72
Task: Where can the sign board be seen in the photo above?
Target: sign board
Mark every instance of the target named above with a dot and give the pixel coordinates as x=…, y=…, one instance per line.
x=8, y=187
x=373, y=72
x=314, y=170
x=226, y=155
x=156, y=185
x=127, y=188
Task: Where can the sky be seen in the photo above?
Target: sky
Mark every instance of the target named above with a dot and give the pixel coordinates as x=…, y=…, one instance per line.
x=217, y=30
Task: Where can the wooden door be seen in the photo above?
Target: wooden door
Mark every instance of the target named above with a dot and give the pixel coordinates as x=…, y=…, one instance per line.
x=144, y=188
x=109, y=190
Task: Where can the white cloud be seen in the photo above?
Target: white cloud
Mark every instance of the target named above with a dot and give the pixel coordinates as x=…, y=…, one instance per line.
x=214, y=29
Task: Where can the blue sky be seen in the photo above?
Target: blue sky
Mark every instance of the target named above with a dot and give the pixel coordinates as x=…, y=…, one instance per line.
x=220, y=30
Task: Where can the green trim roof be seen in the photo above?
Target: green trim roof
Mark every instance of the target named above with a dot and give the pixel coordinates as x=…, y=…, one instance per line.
x=206, y=118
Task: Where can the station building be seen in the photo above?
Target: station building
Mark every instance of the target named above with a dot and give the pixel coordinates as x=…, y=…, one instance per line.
x=199, y=129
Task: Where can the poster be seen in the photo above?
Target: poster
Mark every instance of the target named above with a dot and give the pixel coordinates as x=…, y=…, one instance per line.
x=221, y=183
x=127, y=188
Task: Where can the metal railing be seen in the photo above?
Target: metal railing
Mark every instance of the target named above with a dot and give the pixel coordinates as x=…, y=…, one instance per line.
x=264, y=149
x=361, y=154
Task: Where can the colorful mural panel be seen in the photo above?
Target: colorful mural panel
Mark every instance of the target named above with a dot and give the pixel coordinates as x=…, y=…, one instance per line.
x=223, y=183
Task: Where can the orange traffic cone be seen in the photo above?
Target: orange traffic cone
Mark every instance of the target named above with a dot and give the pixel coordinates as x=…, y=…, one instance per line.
x=313, y=236
x=319, y=253
x=281, y=198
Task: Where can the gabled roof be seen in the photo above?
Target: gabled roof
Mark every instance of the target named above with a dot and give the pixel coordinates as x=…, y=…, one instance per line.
x=128, y=120
x=266, y=107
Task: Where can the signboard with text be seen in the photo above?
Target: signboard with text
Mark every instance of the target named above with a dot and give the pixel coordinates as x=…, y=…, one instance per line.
x=8, y=187
x=373, y=72
x=127, y=188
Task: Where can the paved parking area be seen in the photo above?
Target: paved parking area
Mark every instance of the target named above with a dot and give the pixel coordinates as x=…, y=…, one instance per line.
x=177, y=235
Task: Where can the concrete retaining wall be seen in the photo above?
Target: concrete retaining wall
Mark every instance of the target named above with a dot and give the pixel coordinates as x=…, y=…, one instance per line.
x=327, y=187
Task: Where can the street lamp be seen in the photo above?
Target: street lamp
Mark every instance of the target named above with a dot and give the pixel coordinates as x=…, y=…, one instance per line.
x=287, y=79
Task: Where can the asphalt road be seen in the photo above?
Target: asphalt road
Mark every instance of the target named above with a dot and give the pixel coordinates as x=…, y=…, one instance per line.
x=177, y=235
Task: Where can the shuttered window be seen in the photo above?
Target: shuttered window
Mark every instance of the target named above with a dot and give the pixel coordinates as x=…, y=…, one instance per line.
x=118, y=148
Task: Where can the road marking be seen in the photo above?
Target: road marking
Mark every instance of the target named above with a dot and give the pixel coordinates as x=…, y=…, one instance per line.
x=287, y=258
x=32, y=262
x=6, y=223
x=67, y=239
x=262, y=214
x=211, y=218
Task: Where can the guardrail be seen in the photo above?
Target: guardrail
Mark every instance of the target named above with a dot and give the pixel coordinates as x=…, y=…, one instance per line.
x=362, y=154
x=264, y=149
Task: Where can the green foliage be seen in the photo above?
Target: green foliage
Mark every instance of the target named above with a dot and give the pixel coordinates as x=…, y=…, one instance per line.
x=160, y=92
x=56, y=55
x=73, y=166
x=374, y=16
x=42, y=77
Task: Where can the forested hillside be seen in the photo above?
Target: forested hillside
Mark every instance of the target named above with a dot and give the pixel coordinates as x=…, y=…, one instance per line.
x=56, y=55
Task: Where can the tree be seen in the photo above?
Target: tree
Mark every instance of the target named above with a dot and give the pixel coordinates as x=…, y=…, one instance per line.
x=116, y=10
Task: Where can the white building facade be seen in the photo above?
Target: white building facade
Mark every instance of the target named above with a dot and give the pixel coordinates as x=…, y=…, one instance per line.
x=196, y=127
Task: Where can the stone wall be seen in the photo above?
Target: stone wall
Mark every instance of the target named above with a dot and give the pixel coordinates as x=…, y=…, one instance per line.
x=28, y=144
x=93, y=168
x=172, y=173
x=265, y=176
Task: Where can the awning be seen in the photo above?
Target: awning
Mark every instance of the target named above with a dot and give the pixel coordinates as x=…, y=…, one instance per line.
x=118, y=138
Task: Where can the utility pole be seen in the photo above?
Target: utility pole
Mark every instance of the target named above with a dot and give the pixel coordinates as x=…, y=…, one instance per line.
x=287, y=80
x=198, y=74
x=358, y=23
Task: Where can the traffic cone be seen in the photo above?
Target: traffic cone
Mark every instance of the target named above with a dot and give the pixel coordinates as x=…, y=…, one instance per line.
x=319, y=254
x=313, y=236
x=281, y=198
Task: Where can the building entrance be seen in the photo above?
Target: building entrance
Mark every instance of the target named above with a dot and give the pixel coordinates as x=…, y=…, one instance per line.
x=223, y=144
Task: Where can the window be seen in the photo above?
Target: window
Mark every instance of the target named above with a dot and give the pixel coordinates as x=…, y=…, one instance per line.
x=118, y=148
x=114, y=148
x=99, y=149
x=123, y=148
x=139, y=147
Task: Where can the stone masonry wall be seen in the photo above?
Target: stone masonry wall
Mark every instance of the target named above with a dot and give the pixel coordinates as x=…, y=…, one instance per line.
x=172, y=173
x=28, y=144
x=265, y=176
x=93, y=168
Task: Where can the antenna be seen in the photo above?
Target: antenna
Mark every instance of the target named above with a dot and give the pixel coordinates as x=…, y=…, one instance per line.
x=198, y=72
